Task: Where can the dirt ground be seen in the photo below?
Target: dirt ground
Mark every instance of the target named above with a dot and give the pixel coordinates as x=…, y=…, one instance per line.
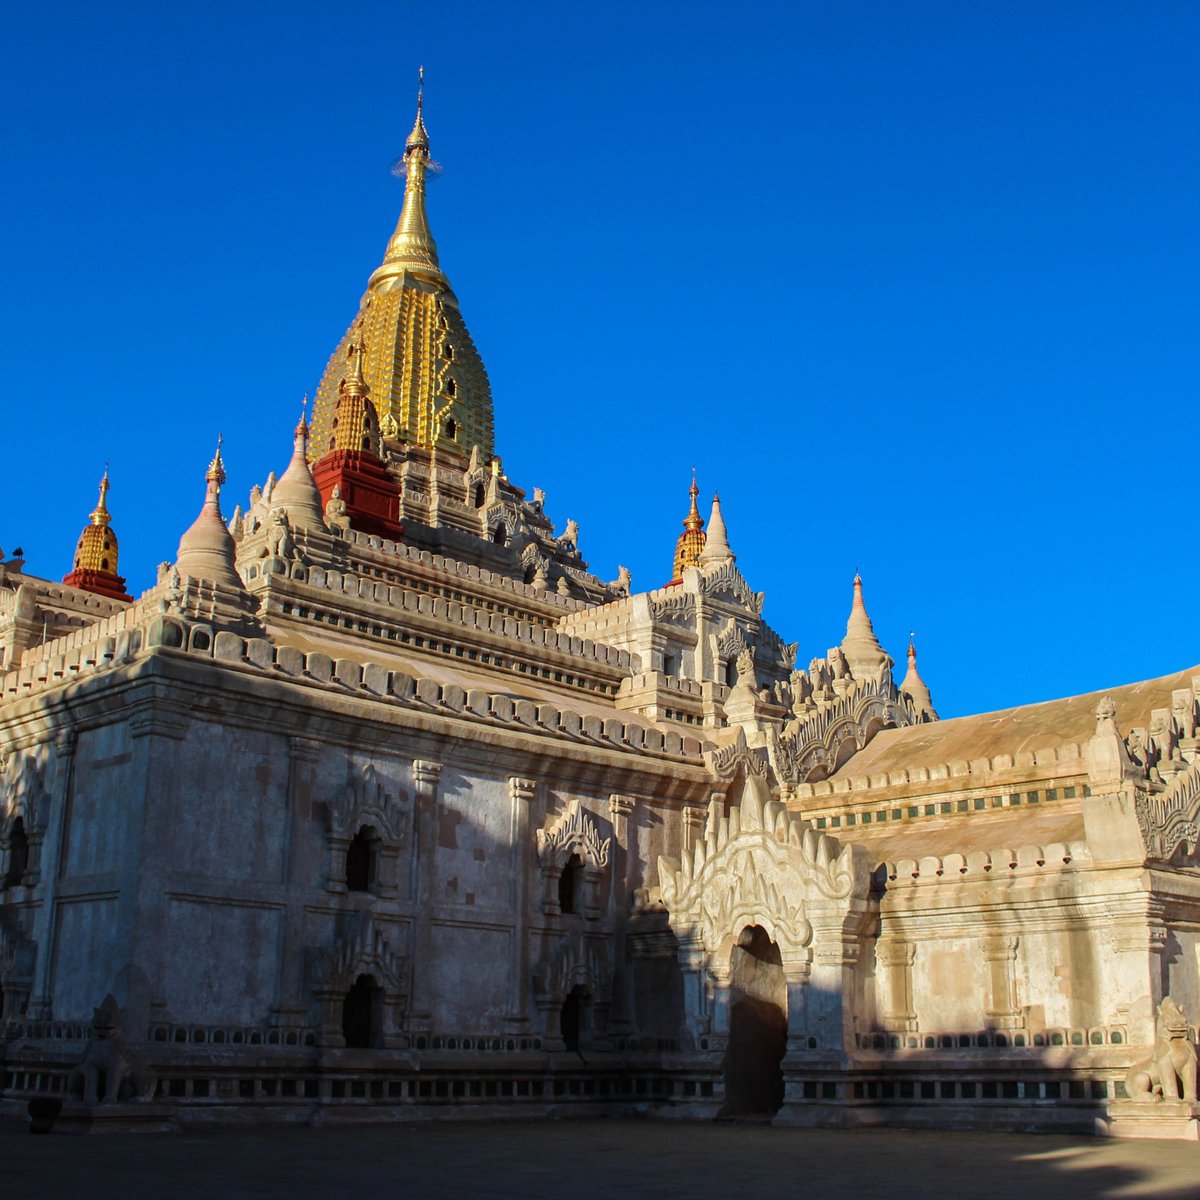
x=579, y=1160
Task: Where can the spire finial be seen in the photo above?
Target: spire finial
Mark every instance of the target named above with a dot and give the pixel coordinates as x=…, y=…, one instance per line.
x=691, y=541
x=216, y=468
x=716, y=545
x=100, y=515
x=356, y=383
x=418, y=139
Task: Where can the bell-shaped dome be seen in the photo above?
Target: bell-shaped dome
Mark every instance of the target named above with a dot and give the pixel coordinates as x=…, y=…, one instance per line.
x=206, y=550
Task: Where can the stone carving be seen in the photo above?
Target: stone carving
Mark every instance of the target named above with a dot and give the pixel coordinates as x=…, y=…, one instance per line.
x=729, y=760
x=366, y=801
x=679, y=607
x=759, y=865
x=1169, y=1072
x=570, y=535
x=364, y=950
x=24, y=795
x=1171, y=818
x=335, y=511
x=746, y=678
x=815, y=742
x=730, y=642
x=726, y=582
x=574, y=832
x=574, y=963
x=279, y=537
x=110, y=1072
x=623, y=582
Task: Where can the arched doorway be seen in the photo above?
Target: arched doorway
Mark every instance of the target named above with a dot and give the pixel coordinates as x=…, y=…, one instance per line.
x=757, y=1026
x=18, y=853
x=572, y=1018
x=361, y=1012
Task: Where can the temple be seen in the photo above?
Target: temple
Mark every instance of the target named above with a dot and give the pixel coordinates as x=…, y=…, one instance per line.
x=381, y=804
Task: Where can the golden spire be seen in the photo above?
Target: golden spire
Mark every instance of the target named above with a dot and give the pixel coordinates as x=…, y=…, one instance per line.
x=355, y=421
x=691, y=541
x=216, y=469
x=94, y=568
x=412, y=247
x=428, y=383
x=100, y=512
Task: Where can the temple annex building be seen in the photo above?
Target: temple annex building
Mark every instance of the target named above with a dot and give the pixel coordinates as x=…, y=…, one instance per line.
x=381, y=804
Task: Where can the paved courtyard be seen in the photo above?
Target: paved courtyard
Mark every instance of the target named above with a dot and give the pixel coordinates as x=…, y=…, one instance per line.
x=578, y=1160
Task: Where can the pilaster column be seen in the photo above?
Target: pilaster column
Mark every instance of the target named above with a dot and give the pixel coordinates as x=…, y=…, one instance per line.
x=696, y=1009
x=797, y=969
x=693, y=828
x=896, y=1003
x=620, y=810
x=426, y=777
x=291, y=1009
x=522, y=794
x=154, y=786
x=53, y=841
x=1002, y=1011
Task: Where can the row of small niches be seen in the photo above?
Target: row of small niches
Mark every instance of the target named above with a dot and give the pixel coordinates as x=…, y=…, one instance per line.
x=986, y=1089
x=948, y=807
x=996, y=1041
x=408, y=1090
x=200, y=1035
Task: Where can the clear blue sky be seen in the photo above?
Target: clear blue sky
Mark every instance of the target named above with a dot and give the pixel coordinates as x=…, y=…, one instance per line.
x=914, y=285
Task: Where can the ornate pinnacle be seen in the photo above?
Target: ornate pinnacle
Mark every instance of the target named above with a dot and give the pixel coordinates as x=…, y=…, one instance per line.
x=100, y=514
x=216, y=468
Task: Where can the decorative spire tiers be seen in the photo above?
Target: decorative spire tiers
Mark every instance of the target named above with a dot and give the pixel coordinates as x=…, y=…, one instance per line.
x=95, y=566
x=296, y=492
x=915, y=688
x=428, y=381
x=716, y=546
x=206, y=551
x=351, y=461
x=691, y=541
x=865, y=656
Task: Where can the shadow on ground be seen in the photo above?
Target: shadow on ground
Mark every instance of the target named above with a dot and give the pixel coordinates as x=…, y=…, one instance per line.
x=585, y=1159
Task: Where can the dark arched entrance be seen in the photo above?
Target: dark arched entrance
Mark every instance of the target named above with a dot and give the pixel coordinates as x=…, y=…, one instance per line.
x=572, y=1017
x=361, y=1011
x=757, y=1027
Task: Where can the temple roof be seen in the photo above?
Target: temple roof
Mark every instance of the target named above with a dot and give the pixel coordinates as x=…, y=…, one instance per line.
x=1012, y=731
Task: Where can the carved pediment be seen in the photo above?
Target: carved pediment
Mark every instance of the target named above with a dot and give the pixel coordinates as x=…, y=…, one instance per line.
x=575, y=832
x=679, y=608
x=364, y=949
x=726, y=762
x=1170, y=819
x=760, y=865
x=367, y=799
x=731, y=642
x=575, y=962
x=726, y=583
x=22, y=794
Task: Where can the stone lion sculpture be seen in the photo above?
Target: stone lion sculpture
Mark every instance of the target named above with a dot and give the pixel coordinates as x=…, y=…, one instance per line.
x=110, y=1072
x=1169, y=1073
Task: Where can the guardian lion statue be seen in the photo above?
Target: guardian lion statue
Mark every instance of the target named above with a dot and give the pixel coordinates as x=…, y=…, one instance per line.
x=1170, y=1071
x=110, y=1072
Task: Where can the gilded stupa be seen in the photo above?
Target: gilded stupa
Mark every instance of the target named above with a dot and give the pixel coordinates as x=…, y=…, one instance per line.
x=426, y=378
x=94, y=568
x=691, y=541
